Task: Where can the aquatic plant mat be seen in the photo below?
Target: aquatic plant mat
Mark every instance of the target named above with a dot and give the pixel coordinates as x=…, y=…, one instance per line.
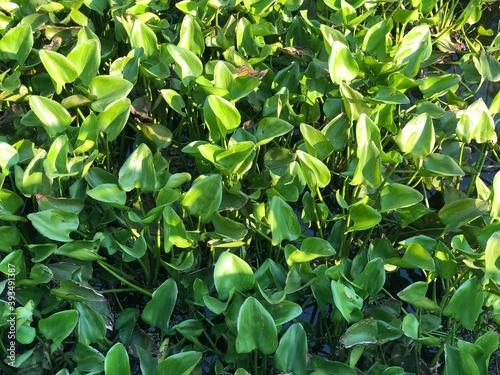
x=249, y=187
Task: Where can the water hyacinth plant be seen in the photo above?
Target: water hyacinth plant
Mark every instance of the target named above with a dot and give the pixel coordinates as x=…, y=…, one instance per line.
x=249, y=187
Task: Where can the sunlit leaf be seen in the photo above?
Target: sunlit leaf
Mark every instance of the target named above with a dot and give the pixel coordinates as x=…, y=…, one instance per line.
x=117, y=361
x=53, y=116
x=204, y=196
x=232, y=272
x=341, y=64
x=55, y=224
x=59, y=67
x=466, y=303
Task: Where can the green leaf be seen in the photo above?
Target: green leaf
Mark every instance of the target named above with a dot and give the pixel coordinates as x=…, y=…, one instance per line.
x=459, y=213
x=77, y=292
x=8, y=157
x=81, y=249
x=414, y=48
x=341, y=64
x=107, y=89
x=364, y=217
x=256, y=328
x=59, y=67
x=290, y=357
x=117, y=361
x=476, y=123
x=316, y=173
x=157, y=312
x=375, y=40
x=440, y=165
x=459, y=362
x=114, y=118
x=394, y=196
x=492, y=258
x=316, y=142
x=372, y=279
x=283, y=221
x=369, y=167
x=16, y=44
x=138, y=171
x=91, y=325
x=466, y=303
x=311, y=248
x=174, y=100
x=434, y=86
x=417, y=138
x=53, y=116
x=489, y=67
x=86, y=58
x=415, y=294
x=232, y=273
x=347, y=301
x=354, y=102
x=221, y=116
x=55, y=224
x=58, y=326
x=88, y=359
x=418, y=257
x=204, y=197
x=109, y=193
x=179, y=364
x=187, y=65
x=270, y=128
x=191, y=35
x=141, y=36
x=410, y=326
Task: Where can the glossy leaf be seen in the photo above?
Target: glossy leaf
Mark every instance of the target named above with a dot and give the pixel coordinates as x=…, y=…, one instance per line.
x=221, y=116
x=191, y=36
x=476, y=123
x=316, y=142
x=364, y=217
x=394, y=196
x=16, y=44
x=91, y=326
x=282, y=221
x=114, y=118
x=459, y=213
x=174, y=100
x=204, y=196
x=347, y=301
x=86, y=58
x=59, y=67
x=415, y=294
x=341, y=64
x=138, y=170
x=415, y=47
x=58, y=326
x=491, y=258
x=417, y=138
x=440, y=165
x=256, y=328
x=179, y=364
x=292, y=349
x=316, y=173
x=232, y=273
x=311, y=248
x=8, y=157
x=158, y=311
x=117, y=361
x=270, y=128
x=55, y=224
x=141, y=36
x=466, y=303
x=53, y=116
x=188, y=65
x=107, y=89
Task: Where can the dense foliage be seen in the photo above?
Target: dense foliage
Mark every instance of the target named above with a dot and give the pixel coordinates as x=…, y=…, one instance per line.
x=249, y=186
